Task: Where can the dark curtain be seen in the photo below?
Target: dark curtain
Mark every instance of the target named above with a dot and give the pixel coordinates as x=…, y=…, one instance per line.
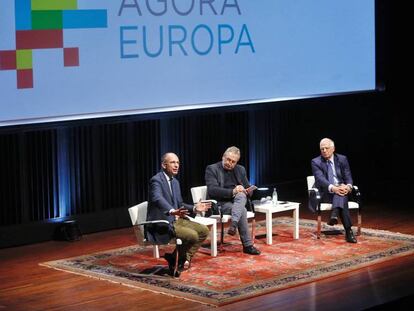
x=101, y=167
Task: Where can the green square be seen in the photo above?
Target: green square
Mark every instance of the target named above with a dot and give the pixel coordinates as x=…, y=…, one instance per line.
x=24, y=59
x=47, y=20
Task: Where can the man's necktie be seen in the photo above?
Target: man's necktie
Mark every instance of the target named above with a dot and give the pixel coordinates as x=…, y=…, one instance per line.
x=330, y=172
x=172, y=192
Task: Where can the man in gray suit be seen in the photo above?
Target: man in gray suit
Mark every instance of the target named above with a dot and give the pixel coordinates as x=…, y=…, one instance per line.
x=227, y=183
x=334, y=180
x=165, y=202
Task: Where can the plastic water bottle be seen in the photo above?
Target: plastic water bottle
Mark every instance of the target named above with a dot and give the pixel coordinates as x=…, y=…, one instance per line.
x=274, y=197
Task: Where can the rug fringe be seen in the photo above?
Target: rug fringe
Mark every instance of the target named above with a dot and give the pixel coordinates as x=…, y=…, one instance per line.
x=93, y=276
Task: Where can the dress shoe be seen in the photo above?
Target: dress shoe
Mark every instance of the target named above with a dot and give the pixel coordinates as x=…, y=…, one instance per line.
x=251, y=250
x=170, y=258
x=349, y=236
x=184, y=265
x=333, y=221
x=232, y=229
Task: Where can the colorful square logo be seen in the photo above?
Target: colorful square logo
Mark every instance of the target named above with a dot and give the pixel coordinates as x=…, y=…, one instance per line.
x=40, y=24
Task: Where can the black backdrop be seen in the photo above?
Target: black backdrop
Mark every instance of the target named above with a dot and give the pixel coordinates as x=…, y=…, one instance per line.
x=93, y=170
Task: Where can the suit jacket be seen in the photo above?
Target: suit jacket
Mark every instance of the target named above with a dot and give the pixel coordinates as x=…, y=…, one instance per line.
x=214, y=177
x=320, y=172
x=160, y=203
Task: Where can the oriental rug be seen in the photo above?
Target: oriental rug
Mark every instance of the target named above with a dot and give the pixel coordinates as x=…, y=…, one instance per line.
x=233, y=275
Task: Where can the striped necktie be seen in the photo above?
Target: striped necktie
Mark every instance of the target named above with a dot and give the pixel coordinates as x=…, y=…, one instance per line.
x=330, y=172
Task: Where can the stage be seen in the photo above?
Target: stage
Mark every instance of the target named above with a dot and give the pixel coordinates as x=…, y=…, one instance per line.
x=25, y=285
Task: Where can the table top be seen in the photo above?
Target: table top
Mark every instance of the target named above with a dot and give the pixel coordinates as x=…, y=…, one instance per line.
x=205, y=220
x=269, y=205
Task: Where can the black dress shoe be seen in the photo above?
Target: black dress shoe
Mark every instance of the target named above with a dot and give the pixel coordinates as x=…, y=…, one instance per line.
x=251, y=250
x=170, y=258
x=333, y=221
x=232, y=229
x=349, y=236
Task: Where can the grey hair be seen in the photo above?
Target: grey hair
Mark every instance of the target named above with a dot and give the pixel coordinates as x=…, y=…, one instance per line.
x=327, y=140
x=232, y=149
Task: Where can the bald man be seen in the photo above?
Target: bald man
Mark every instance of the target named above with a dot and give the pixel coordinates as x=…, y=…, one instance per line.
x=165, y=202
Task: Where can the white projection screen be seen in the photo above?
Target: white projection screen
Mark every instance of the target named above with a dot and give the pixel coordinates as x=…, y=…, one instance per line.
x=78, y=59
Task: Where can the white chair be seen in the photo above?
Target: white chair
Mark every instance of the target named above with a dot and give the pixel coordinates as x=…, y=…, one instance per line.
x=200, y=193
x=138, y=215
x=354, y=203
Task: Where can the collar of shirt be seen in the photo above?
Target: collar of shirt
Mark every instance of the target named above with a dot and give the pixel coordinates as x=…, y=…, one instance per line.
x=168, y=177
x=331, y=159
x=169, y=180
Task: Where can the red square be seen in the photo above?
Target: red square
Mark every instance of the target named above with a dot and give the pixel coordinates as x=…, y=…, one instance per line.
x=24, y=78
x=71, y=57
x=7, y=60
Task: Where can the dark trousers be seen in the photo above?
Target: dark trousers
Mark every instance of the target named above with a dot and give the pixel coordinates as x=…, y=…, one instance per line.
x=340, y=208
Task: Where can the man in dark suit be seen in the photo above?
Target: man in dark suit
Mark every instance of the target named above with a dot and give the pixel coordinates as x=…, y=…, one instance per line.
x=165, y=202
x=334, y=180
x=227, y=183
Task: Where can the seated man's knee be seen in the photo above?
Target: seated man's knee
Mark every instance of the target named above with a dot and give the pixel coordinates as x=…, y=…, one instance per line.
x=240, y=197
x=192, y=237
x=204, y=232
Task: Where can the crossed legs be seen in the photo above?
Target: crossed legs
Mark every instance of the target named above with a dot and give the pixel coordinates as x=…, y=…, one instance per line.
x=238, y=212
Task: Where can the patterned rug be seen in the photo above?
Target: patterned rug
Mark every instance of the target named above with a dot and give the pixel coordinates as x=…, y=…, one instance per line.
x=232, y=275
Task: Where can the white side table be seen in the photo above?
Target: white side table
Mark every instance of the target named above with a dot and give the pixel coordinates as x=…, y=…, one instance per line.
x=269, y=208
x=213, y=232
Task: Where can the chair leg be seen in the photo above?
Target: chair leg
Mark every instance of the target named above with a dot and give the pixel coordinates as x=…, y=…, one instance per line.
x=177, y=256
x=155, y=251
x=359, y=223
x=221, y=247
x=318, y=233
x=253, y=230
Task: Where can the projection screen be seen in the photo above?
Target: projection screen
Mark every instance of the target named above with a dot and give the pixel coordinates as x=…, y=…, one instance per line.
x=77, y=59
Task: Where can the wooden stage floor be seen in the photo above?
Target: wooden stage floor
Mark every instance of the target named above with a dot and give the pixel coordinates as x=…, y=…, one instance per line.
x=24, y=285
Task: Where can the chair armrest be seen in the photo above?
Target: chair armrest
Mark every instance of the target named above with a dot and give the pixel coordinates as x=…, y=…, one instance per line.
x=206, y=201
x=144, y=234
x=153, y=222
x=356, y=189
x=356, y=194
x=314, y=192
